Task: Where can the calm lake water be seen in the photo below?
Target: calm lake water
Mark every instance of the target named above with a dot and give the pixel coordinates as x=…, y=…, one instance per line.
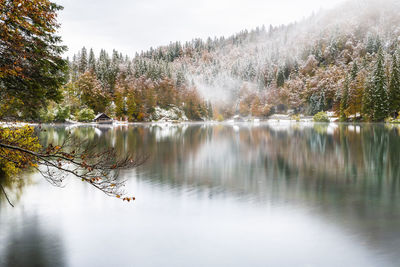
x=219, y=195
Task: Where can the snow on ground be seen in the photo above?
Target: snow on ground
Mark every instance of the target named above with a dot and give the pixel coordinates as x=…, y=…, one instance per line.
x=172, y=114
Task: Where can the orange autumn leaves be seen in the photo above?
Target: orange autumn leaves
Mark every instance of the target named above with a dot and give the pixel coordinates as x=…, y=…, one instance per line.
x=24, y=23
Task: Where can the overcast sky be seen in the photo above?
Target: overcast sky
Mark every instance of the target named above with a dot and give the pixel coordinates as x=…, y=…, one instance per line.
x=134, y=25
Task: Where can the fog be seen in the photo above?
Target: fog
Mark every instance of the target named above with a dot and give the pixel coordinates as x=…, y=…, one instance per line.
x=132, y=26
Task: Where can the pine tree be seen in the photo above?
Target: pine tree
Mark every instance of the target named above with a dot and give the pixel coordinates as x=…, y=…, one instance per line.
x=150, y=100
x=354, y=97
x=103, y=69
x=92, y=61
x=367, y=104
x=83, y=61
x=210, y=110
x=370, y=47
x=180, y=79
x=394, y=88
x=131, y=106
x=280, y=80
x=344, y=100
x=113, y=71
x=354, y=71
x=379, y=94
x=74, y=69
x=120, y=99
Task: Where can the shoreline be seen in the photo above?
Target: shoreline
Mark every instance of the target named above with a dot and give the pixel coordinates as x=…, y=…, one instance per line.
x=227, y=122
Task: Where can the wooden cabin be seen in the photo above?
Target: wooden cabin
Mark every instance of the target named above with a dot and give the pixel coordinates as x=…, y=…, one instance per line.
x=103, y=118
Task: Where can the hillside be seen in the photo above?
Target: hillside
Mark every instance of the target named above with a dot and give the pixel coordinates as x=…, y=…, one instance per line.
x=344, y=60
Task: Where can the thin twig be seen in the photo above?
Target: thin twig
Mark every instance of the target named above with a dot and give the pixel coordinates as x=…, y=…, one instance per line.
x=4, y=191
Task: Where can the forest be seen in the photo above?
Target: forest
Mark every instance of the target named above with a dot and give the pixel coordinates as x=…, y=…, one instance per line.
x=347, y=64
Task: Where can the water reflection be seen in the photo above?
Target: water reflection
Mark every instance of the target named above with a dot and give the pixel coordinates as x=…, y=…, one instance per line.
x=27, y=244
x=339, y=182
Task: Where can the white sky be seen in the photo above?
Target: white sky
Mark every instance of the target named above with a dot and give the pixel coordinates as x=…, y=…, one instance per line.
x=134, y=25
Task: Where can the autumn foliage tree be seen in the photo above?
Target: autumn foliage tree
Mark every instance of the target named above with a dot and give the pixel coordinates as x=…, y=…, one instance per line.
x=193, y=106
x=356, y=92
x=91, y=93
x=31, y=67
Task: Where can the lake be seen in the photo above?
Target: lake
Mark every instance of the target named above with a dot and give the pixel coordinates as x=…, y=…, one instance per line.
x=269, y=194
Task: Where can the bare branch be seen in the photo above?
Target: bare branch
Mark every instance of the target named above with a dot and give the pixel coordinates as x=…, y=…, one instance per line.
x=5, y=194
x=80, y=159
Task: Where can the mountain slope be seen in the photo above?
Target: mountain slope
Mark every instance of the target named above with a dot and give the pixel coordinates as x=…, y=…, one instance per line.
x=303, y=66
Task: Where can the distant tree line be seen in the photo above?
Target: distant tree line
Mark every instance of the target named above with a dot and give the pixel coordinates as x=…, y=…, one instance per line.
x=129, y=89
x=359, y=79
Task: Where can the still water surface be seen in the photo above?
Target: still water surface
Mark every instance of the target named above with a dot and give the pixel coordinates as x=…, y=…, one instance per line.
x=219, y=195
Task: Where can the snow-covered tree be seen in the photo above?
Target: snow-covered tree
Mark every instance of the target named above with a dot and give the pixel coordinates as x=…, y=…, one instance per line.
x=379, y=94
x=394, y=87
x=83, y=61
x=92, y=61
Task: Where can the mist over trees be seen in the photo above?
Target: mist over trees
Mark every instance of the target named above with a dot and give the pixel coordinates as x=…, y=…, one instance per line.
x=344, y=60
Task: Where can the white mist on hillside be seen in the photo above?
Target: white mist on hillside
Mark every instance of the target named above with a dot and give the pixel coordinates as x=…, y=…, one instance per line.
x=269, y=50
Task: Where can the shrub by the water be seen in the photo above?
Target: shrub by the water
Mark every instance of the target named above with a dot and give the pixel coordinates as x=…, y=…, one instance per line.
x=321, y=117
x=295, y=117
x=393, y=120
x=62, y=114
x=46, y=115
x=86, y=115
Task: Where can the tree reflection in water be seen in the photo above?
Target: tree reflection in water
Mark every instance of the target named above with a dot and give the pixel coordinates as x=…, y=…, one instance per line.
x=346, y=174
x=30, y=245
x=321, y=160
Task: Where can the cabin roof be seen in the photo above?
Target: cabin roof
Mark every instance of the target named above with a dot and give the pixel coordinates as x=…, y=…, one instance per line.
x=101, y=116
